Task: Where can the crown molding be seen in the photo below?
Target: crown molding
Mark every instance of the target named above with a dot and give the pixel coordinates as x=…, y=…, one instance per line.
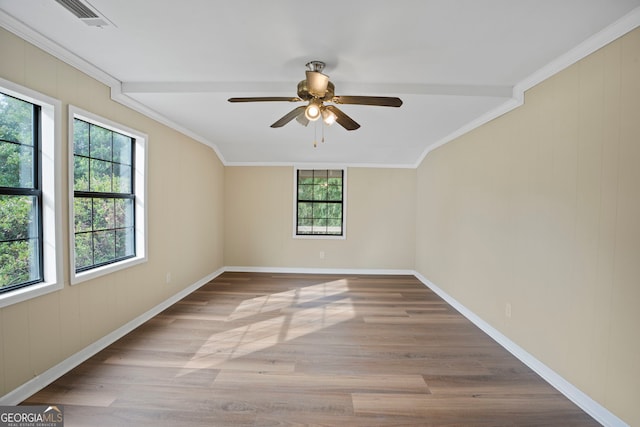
x=32, y=36
x=323, y=165
x=610, y=33
x=503, y=108
x=119, y=89
x=118, y=96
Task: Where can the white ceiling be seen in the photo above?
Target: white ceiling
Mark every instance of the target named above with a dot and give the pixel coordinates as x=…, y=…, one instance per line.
x=454, y=63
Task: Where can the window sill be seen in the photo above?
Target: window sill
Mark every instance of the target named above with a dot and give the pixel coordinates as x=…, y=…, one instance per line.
x=318, y=237
x=107, y=269
x=28, y=292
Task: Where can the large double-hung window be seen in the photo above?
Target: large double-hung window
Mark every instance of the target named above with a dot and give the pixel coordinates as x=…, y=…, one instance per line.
x=108, y=195
x=103, y=195
x=29, y=207
x=21, y=246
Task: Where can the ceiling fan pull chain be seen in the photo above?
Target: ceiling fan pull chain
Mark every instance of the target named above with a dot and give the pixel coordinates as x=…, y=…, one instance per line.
x=315, y=135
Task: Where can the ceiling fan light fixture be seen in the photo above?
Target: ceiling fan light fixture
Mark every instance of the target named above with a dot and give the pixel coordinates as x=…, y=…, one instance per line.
x=328, y=117
x=312, y=112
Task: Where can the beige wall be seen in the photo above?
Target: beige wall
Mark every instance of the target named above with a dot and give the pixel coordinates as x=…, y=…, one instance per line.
x=184, y=200
x=541, y=209
x=259, y=221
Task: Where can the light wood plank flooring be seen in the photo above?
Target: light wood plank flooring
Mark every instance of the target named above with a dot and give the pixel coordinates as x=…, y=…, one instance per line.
x=253, y=349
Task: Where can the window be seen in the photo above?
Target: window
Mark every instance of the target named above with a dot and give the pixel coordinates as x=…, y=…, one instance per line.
x=29, y=180
x=20, y=194
x=107, y=198
x=320, y=202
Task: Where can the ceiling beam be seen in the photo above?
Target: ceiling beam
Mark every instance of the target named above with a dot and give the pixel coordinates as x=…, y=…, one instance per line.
x=345, y=88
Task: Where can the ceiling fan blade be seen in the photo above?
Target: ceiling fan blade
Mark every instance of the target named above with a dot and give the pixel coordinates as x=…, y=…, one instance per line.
x=302, y=119
x=383, y=101
x=289, y=116
x=265, y=98
x=343, y=120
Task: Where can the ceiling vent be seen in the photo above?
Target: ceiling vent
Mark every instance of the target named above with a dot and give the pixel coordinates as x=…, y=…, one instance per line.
x=86, y=13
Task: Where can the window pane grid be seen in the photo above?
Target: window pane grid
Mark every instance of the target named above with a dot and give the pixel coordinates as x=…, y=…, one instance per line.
x=319, y=202
x=103, y=197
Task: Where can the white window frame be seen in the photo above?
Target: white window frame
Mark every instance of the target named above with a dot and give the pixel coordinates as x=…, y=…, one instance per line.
x=140, y=191
x=344, y=202
x=50, y=161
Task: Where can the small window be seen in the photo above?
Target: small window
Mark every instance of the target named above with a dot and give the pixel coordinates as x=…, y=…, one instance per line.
x=320, y=202
x=107, y=196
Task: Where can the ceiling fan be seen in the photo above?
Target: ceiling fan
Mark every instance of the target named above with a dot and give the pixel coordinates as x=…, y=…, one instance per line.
x=317, y=90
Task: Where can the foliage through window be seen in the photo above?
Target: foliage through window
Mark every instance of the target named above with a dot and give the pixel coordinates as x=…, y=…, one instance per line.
x=319, y=202
x=21, y=247
x=104, y=196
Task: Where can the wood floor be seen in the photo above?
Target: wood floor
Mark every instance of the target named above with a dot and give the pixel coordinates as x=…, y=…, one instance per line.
x=292, y=350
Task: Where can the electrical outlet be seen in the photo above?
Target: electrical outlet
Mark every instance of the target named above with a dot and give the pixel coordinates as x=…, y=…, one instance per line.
x=168, y=278
x=507, y=310
x=321, y=254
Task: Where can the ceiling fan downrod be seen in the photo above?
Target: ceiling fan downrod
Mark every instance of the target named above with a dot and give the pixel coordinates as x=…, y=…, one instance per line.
x=317, y=66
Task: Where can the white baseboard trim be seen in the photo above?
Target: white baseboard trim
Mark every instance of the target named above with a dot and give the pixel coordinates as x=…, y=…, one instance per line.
x=303, y=270
x=586, y=403
x=39, y=382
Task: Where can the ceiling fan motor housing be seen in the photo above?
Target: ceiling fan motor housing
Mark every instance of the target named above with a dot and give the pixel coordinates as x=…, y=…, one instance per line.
x=305, y=93
x=317, y=83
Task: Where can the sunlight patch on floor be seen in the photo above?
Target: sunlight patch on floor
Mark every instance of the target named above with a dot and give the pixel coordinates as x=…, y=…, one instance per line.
x=297, y=312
